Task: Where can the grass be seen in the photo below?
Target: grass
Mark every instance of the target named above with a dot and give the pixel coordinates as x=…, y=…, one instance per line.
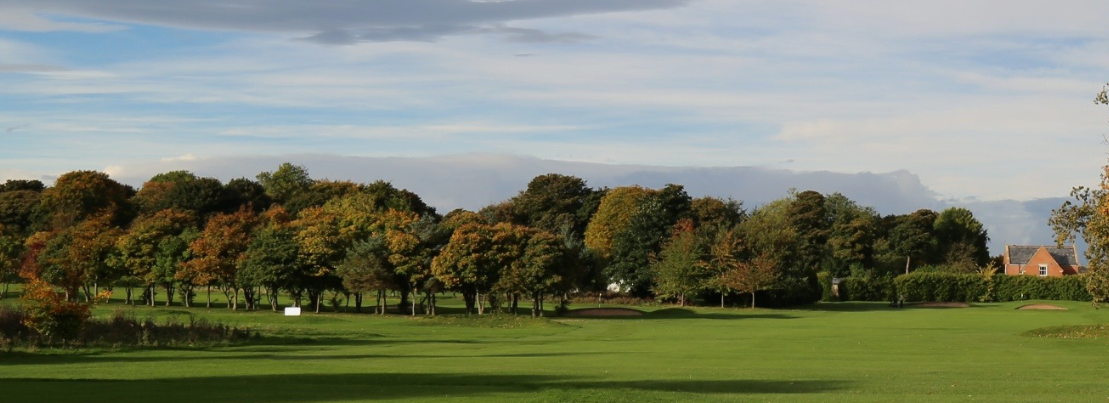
x=840, y=352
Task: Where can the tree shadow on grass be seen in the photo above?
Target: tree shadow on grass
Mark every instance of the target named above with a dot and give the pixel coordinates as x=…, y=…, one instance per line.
x=683, y=313
x=369, y=387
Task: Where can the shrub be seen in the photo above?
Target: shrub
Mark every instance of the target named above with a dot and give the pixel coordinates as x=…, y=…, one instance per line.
x=49, y=315
x=825, y=279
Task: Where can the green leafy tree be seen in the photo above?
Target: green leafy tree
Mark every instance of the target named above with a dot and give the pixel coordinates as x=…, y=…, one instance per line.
x=1088, y=217
x=15, y=185
x=285, y=182
x=634, y=246
x=854, y=230
x=321, y=247
x=12, y=250
x=217, y=251
x=961, y=239
x=472, y=261
x=911, y=238
x=725, y=252
x=552, y=202
x=754, y=275
x=18, y=210
x=78, y=195
x=613, y=215
x=679, y=269
x=366, y=269
x=273, y=261
x=78, y=257
x=711, y=213
x=147, y=242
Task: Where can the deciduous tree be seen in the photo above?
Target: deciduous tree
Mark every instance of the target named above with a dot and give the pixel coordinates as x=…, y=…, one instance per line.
x=679, y=268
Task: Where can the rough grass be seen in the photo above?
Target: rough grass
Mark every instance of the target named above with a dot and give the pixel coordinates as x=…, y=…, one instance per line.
x=1072, y=332
x=840, y=352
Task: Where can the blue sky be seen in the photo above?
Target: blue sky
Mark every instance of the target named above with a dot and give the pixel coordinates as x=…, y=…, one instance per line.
x=988, y=99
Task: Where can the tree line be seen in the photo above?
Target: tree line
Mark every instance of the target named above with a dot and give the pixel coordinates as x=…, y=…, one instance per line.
x=285, y=233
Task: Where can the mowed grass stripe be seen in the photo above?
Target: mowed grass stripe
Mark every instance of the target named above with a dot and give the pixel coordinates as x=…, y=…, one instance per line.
x=829, y=352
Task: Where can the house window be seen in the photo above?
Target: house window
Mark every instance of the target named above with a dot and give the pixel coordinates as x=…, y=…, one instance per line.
x=1043, y=270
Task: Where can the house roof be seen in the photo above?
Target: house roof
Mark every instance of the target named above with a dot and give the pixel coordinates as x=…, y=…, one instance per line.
x=1020, y=254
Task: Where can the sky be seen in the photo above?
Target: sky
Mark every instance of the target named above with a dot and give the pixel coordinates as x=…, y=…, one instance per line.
x=983, y=100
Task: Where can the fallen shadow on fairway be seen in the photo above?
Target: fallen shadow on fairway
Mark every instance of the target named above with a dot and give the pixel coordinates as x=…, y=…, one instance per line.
x=357, y=387
x=858, y=306
x=682, y=313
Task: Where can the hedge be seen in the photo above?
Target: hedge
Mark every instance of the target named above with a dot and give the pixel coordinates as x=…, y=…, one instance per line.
x=866, y=288
x=955, y=287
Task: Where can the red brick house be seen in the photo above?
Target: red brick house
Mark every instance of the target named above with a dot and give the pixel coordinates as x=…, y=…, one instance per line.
x=1038, y=260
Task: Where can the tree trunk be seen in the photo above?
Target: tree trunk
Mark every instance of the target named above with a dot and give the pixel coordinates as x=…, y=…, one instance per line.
x=272, y=294
x=235, y=302
x=129, y=300
x=721, y=297
x=753, y=292
x=907, y=261
x=169, y=293
x=209, y=296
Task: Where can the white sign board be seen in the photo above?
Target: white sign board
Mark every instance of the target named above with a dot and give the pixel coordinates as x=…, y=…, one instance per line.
x=292, y=311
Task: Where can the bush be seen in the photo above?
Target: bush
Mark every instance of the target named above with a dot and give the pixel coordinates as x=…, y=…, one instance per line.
x=49, y=315
x=825, y=279
x=123, y=329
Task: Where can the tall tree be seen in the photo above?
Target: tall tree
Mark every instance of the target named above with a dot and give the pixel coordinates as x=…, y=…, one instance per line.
x=78, y=258
x=770, y=234
x=1088, y=217
x=321, y=247
x=273, y=261
x=285, y=182
x=147, y=242
x=712, y=213
x=12, y=185
x=643, y=237
x=366, y=269
x=78, y=195
x=218, y=250
x=471, y=262
x=911, y=239
x=613, y=215
x=754, y=274
x=552, y=202
x=961, y=239
x=851, y=237
x=11, y=256
x=679, y=268
x=18, y=210
x=725, y=251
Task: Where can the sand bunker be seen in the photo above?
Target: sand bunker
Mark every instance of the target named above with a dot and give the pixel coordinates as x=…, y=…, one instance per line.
x=597, y=312
x=942, y=304
x=1045, y=307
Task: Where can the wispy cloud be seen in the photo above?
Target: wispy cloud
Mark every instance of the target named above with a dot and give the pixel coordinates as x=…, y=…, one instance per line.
x=327, y=21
